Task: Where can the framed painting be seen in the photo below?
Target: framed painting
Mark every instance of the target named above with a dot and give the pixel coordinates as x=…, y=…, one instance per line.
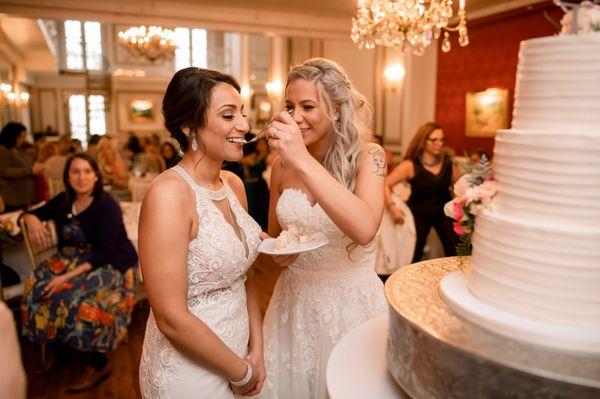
x=139, y=111
x=486, y=112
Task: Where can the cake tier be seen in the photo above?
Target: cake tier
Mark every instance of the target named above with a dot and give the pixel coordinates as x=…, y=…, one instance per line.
x=545, y=176
x=544, y=271
x=558, y=84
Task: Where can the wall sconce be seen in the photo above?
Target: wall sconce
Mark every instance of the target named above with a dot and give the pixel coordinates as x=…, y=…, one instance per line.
x=11, y=97
x=246, y=93
x=274, y=87
x=24, y=97
x=264, y=111
x=5, y=88
x=394, y=75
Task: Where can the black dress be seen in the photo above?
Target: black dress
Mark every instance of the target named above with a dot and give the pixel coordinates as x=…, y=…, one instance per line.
x=257, y=191
x=429, y=195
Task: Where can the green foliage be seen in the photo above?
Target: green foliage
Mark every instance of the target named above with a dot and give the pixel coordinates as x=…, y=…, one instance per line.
x=464, y=247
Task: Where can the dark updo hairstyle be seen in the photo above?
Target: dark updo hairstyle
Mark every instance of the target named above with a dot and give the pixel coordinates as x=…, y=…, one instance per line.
x=187, y=100
x=98, y=186
x=10, y=132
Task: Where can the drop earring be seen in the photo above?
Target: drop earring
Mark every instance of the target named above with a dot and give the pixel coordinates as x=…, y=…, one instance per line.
x=194, y=144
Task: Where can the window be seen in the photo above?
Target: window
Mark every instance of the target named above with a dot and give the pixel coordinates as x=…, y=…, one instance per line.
x=86, y=117
x=191, y=48
x=83, y=45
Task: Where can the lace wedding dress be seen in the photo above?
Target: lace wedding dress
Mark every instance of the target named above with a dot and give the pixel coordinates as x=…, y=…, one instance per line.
x=217, y=264
x=319, y=298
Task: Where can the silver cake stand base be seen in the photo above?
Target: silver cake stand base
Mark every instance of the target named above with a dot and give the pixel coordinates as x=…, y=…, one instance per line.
x=433, y=353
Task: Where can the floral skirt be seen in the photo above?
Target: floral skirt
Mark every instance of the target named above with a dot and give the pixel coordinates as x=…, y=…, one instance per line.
x=90, y=313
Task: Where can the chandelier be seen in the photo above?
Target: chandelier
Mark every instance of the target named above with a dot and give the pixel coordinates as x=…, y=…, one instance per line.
x=152, y=42
x=406, y=23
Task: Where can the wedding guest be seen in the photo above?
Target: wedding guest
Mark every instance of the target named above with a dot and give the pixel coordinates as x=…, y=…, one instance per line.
x=329, y=178
x=45, y=152
x=132, y=149
x=16, y=169
x=431, y=174
x=257, y=191
x=169, y=154
x=110, y=163
x=76, y=146
x=65, y=145
x=83, y=295
x=203, y=338
x=92, y=147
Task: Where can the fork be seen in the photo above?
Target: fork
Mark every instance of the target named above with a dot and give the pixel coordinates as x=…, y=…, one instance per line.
x=262, y=131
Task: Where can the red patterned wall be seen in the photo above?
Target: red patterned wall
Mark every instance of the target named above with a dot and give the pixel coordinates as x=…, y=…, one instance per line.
x=490, y=60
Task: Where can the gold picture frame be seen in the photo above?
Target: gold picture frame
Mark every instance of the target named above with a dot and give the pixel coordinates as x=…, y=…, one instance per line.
x=139, y=111
x=486, y=112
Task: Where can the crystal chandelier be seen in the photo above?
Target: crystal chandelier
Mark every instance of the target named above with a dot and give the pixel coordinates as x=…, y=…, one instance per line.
x=152, y=42
x=406, y=23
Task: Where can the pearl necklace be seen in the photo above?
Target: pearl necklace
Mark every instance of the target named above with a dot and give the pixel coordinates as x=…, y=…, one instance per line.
x=217, y=195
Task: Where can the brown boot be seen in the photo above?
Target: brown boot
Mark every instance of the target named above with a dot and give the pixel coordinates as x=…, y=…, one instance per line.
x=89, y=379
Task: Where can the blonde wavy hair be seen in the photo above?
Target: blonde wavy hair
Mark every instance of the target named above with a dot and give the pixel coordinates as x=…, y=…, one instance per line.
x=351, y=129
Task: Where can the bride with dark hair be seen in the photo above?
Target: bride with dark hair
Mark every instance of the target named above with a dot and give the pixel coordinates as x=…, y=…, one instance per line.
x=203, y=337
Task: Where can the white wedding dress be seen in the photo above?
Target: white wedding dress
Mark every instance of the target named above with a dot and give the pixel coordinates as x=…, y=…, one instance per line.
x=217, y=264
x=324, y=294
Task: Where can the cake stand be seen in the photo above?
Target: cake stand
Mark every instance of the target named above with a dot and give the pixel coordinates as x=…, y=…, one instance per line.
x=434, y=353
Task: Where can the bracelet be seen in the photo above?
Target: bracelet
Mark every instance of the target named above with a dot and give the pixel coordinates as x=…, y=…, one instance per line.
x=244, y=380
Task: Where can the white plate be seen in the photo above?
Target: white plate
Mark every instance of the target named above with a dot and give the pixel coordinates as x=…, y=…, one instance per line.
x=268, y=246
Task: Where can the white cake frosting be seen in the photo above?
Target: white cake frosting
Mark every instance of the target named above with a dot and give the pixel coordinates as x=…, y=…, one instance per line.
x=557, y=84
x=536, y=252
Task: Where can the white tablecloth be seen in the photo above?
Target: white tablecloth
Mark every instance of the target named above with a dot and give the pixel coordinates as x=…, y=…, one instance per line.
x=131, y=217
x=357, y=366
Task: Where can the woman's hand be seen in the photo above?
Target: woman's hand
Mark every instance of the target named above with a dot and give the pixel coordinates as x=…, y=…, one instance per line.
x=249, y=387
x=284, y=260
x=36, y=229
x=396, y=213
x=281, y=260
x=54, y=285
x=256, y=359
x=284, y=136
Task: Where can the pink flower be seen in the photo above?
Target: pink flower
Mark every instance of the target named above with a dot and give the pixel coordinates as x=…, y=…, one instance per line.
x=460, y=229
x=449, y=208
x=457, y=211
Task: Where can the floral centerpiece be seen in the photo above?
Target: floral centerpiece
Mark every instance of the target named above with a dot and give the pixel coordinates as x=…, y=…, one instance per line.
x=583, y=18
x=474, y=191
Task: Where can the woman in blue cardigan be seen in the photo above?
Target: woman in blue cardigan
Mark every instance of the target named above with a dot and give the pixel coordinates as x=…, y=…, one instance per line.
x=83, y=294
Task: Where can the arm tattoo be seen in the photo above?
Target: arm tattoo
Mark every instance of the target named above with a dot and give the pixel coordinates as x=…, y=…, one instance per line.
x=379, y=161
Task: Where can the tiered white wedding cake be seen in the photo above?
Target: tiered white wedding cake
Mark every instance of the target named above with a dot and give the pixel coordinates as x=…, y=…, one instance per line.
x=535, y=269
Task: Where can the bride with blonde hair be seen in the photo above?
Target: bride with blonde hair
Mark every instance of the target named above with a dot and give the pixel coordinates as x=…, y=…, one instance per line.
x=328, y=178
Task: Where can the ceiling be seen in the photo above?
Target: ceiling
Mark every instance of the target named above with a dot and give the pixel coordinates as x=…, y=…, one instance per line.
x=339, y=8
x=311, y=18
x=26, y=37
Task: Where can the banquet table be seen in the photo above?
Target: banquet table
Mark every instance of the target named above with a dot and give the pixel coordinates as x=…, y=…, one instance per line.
x=131, y=217
x=357, y=367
